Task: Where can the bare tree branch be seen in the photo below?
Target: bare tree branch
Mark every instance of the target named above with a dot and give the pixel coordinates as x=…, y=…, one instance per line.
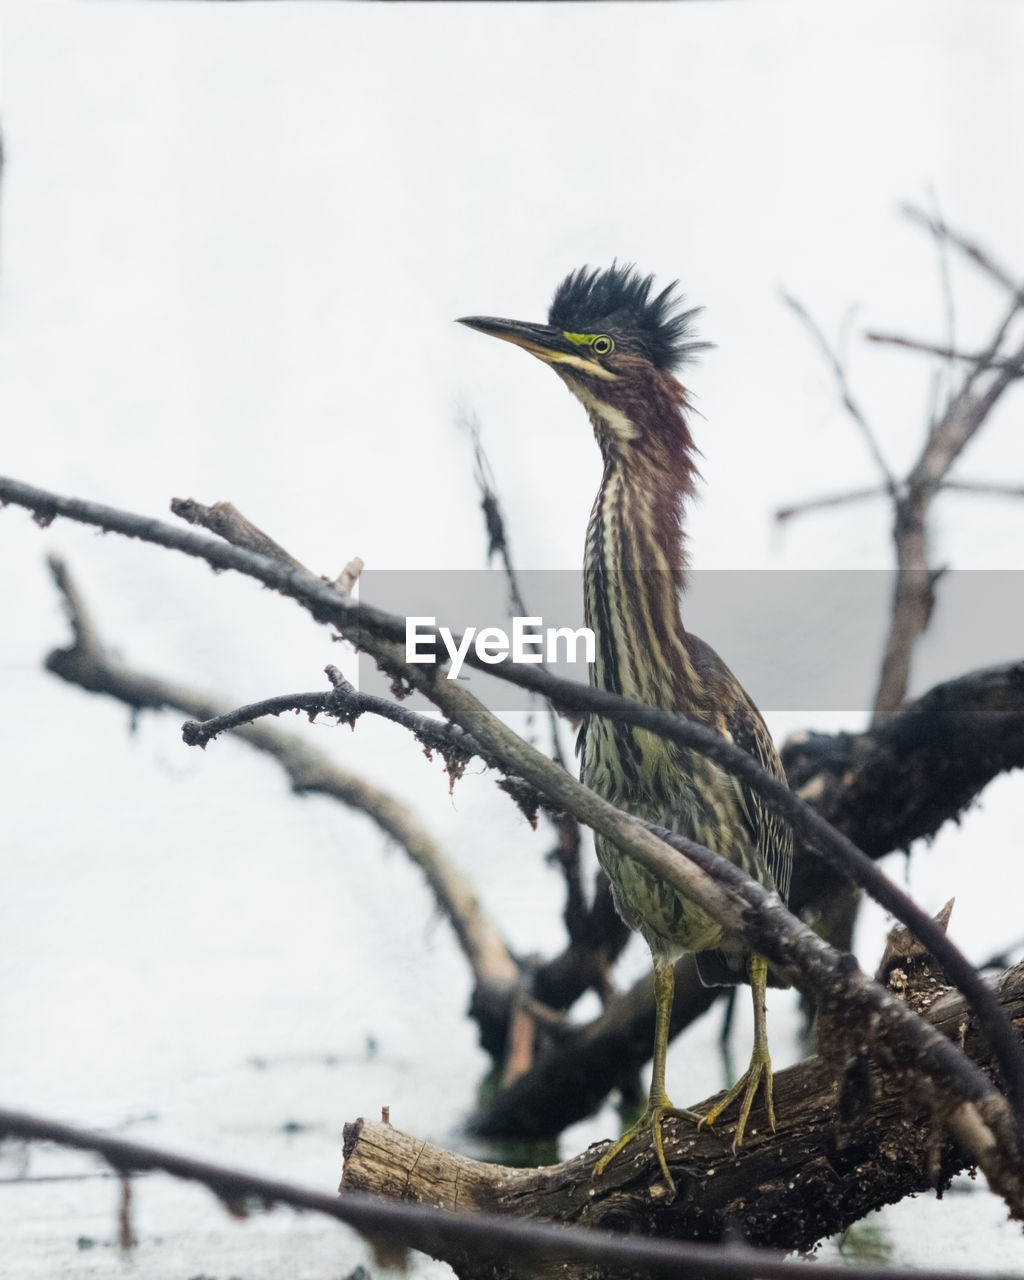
x=90, y=665
x=743, y=908
x=817, y=834
x=901, y=779
x=345, y=703
x=499, y=988
x=883, y=789
x=824, y=1168
x=949, y=433
x=914, y=596
x=440, y=1232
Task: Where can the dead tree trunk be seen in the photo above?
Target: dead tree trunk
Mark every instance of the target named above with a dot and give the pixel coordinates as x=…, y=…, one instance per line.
x=846, y=1144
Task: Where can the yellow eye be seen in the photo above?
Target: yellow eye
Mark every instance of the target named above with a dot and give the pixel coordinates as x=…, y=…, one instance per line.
x=602, y=345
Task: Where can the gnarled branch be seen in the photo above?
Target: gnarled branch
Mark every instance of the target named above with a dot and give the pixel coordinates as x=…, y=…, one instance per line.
x=824, y=1168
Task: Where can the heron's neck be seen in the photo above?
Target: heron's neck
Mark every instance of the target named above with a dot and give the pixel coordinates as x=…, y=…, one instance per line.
x=635, y=566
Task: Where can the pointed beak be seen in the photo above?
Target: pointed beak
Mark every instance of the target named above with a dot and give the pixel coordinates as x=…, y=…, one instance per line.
x=541, y=340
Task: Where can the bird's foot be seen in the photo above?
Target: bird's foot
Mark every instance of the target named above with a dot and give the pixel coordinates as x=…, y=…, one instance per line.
x=650, y=1122
x=758, y=1073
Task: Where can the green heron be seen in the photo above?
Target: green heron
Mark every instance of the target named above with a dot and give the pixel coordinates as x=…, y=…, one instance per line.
x=615, y=344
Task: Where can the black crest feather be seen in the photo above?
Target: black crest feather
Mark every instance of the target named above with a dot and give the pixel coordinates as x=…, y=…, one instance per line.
x=618, y=301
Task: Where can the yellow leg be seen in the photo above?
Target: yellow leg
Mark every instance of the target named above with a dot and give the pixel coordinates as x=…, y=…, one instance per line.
x=760, y=1069
x=658, y=1104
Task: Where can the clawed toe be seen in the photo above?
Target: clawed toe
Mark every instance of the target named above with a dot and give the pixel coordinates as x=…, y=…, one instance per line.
x=649, y=1123
x=759, y=1073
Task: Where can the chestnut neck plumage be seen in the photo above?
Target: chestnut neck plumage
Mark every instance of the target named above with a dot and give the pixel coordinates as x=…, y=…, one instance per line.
x=635, y=562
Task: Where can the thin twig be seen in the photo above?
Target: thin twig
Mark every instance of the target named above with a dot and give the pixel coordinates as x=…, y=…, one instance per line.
x=566, y=854
x=577, y=914
x=845, y=393
x=830, y=500
x=344, y=702
x=348, y=577
x=984, y=487
x=981, y=257
x=945, y=280
x=498, y=545
x=979, y=359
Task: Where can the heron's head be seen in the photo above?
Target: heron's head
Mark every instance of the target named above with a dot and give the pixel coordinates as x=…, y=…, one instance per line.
x=616, y=344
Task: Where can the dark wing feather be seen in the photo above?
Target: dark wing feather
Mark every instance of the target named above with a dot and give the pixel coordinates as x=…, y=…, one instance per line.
x=772, y=838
